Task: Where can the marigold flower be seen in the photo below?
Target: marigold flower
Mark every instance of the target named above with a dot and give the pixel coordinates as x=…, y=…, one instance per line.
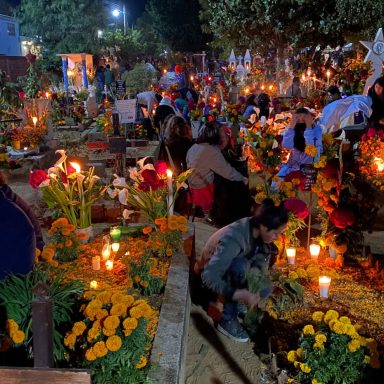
x=301, y=273
x=318, y=345
x=70, y=339
x=320, y=338
x=105, y=297
x=182, y=220
x=330, y=315
x=90, y=355
x=292, y=356
x=161, y=221
x=128, y=300
x=130, y=323
x=353, y=345
x=127, y=332
x=12, y=326
x=308, y=330
x=119, y=309
x=142, y=363
x=109, y=332
x=93, y=333
x=338, y=328
x=183, y=228
x=147, y=230
x=117, y=298
x=345, y=320
x=100, y=349
x=78, y=328
x=114, y=343
x=305, y=368
x=367, y=359
x=318, y=316
x=300, y=353
x=65, y=232
x=69, y=243
x=293, y=275
x=102, y=314
x=310, y=150
x=111, y=322
x=18, y=336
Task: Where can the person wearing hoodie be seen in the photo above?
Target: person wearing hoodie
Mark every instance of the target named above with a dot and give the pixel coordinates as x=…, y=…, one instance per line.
x=163, y=110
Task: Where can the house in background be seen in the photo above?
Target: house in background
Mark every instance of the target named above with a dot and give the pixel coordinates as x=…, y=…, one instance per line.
x=9, y=36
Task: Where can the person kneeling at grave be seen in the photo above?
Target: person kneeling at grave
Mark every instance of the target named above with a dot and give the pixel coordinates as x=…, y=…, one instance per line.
x=231, y=252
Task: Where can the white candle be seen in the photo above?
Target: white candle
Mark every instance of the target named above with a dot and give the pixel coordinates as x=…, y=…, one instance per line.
x=96, y=263
x=170, y=191
x=115, y=247
x=314, y=250
x=291, y=255
x=109, y=265
x=93, y=284
x=328, y=76
x=324, y=283
x=106, y=252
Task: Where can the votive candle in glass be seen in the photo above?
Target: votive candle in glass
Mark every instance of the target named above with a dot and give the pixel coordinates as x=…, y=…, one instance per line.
x=324, y=283
x=109, y=265
x=314, y=250
x=115, y=233
x=96, y=263
x=291, y=255
x=93, y=284
x=115, y=247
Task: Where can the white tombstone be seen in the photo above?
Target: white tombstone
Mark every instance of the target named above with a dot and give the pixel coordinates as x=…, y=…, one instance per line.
x=232, y=60
x=376, y=55
x=247, y=60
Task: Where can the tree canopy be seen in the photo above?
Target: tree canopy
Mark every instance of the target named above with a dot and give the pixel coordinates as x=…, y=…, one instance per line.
x=265, y=24
x=62, y=25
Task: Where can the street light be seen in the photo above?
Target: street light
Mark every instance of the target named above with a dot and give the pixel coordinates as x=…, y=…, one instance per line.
x=116, y=12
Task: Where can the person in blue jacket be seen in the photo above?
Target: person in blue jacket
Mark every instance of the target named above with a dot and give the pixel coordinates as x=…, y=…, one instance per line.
x=300, y=133
x=17, y=239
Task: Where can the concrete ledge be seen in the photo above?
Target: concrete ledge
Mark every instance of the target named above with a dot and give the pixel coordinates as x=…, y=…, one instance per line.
x=170, y=343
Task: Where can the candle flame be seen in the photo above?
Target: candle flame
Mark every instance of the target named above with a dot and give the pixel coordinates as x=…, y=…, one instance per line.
x=93, y=284
x=75, y=166
x=379, y=164
x=324, y=279
x=169, y=173
x=115, y=247
x=34, y=120
x=328, y=73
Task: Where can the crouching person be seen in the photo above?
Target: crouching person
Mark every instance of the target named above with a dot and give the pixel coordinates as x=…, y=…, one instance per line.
x=229, y=254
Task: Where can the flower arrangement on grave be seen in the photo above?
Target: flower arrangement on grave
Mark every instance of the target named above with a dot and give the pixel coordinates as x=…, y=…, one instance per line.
x=69, y=190
x=82, y=94
x=64, y=240
x=104, y=123
x=371, y=160
x=233, y=112
x=297, y=212
x=112, y=336
x=151, y=189
x=332, y=351
x=16, y=296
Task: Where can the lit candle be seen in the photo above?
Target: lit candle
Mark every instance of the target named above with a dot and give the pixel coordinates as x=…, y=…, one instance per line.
x=291, y=254
x=379, y=164
x=314, y=250
x=170, y=191
x=270, y=87
x=25, y=148
x=127, y=253
x=115, y=233
x=328, y=76
x=165, y=71
x=115, y=247
x=262, y=87
x=192, y=78
x=96, y=263
x=93, y=284
x=75, y=166
x=106, y=252
x=34, y=120
x=109, y=265
x=324, y=283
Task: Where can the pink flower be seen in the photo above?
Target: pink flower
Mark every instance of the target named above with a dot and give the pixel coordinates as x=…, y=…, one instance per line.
x=37, y=177
x=297, y=207
x=161, y=167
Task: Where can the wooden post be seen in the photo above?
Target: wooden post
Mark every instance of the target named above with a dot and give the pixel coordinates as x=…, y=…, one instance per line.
x=42, y=326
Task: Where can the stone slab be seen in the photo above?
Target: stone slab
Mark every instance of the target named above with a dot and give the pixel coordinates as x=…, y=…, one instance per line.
x=170, y=345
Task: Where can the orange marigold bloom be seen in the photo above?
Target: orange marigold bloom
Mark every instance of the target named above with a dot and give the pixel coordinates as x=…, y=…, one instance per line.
x=119, y=309
x=100, y=349
x=142, y=363
x=18, y=336
x=130, y=323
x=68, y=243
x=108, y=332
x=147, y=230
x=90, y=355
x=111, y=322
x=161, y=221
x=114, y=343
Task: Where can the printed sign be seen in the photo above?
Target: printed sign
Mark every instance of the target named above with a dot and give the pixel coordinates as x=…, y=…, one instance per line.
x=310, y=172
x=127, y=110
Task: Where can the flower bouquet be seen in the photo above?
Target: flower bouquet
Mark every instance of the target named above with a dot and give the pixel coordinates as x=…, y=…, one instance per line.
x=112, y=335
x=333, y=351
x=151, y=189
x=69, y=190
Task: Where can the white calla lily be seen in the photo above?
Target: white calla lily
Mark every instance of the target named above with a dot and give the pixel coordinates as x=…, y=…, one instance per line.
x=119, y=181
x=62, y=159
x=123, y=196
x=127, y=213
x=112, y=193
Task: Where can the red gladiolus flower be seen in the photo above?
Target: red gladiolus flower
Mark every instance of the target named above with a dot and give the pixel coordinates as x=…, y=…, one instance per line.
x=37, y=177
x=297, y=207
x=342, y=217
x=297, y=175
x=161, y=167
x=151, y=179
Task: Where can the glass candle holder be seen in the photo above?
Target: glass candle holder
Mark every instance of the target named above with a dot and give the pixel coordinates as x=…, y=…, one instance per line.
x=96, y=263
x=314, y=250
x=115, y=247
x=291, y=255
x=324, y=283
x=115, y=233
x=93, y=284
x=109, y=265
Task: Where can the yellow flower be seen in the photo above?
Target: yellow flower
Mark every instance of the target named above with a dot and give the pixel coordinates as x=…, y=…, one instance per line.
x=119, y=309
x=292, y=356
x=90, y=355
x=353, y=345
x=12, y=327
x=70, y=339
x=314, y=381
x=127, y=332
x=311, y=150
x=114, y=343
x=318, y=316
x=78, y=328
x=330, y=315
x=301, y=273
x=308, y=330
x=18, y=336
x=104, y=297
x=117, y=298
x=142, y=363
x=338, y=328
x=320, y=338
x=367, y=359
x=108, y=332
x=101, y=314
x=111, y=322
x=293, y=275
x=128, y=300
x=345, y=320
x=318, y=345
x=130, y=323
x=350, y=330
x=305, y=368
x=100, y=349
x=93, y=333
